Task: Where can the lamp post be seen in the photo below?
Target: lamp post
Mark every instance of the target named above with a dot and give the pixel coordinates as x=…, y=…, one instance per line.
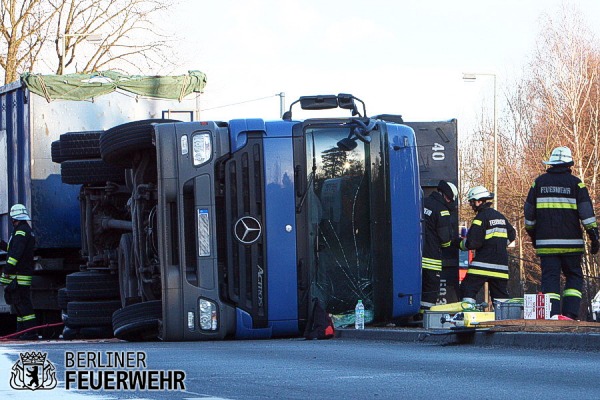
x=90, y=37
x=281, y=103
x=471, y=77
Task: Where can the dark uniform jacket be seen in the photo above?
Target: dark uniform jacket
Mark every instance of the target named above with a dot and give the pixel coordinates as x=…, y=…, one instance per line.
x=556, y=202
x=19, y=258
x=437, y=228
x=489, y=236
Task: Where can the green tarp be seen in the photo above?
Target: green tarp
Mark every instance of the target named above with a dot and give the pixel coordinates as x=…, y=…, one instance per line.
x=88, y=86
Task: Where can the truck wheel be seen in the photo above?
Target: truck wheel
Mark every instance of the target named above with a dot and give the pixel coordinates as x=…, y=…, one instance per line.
x=80, y=145
x=128, y=281
x=96, y=332
x=55, y=152
x=70, y=333
x=118, y=144
x=62, y=298
x=91, y=313
x=80, y=172
x=138, y=322
x=92, y=285
x=88, y=332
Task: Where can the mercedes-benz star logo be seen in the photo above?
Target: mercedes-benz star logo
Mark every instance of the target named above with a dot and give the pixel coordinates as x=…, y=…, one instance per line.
x=247, y=230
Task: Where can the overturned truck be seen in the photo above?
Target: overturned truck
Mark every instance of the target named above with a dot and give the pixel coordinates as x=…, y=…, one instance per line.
x=206, y=230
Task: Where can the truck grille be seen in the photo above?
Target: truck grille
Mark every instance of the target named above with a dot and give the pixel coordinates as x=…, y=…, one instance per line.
x=244, y=270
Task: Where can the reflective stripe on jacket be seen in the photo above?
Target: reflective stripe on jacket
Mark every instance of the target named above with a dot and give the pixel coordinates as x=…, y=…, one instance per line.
x=23, y=280
x=437, y=230
x=557, y=204
x=19, y=257
x=489, y=235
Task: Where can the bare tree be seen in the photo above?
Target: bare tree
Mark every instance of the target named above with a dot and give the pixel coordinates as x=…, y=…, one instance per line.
x=565, y=83
x=24, y=25
x=127, y=35
x=128, y=39
x=556, y=103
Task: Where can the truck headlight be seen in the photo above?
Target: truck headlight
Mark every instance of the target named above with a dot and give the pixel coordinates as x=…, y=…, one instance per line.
x=208, y=315
x=201, y=148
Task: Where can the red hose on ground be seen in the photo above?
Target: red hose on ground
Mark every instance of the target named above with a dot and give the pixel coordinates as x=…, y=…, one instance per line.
x=12, y=335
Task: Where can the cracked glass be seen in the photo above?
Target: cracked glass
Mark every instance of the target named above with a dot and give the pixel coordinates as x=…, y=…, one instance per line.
x=339, y=214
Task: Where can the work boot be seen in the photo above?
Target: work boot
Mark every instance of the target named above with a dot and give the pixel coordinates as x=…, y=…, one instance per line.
x=561, y=317
x=31, y=335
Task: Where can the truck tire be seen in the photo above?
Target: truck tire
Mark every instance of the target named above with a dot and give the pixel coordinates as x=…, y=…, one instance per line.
x=81, y=172
x=91, y=313
x=62, y=298
x=117, y=144
x=96, y=332
x=80, y=145
x=88, y=332
x=55, y=152
x=138, y=322
x=92, y=285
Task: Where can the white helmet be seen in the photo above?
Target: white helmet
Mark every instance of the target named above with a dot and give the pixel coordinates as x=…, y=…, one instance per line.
x=560, y=155
x=19, y=212
x=479, y=193
x=449, y=189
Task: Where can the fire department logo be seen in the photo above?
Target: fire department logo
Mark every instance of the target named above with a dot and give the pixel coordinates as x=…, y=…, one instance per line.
x=32, y=372
x=247, y=230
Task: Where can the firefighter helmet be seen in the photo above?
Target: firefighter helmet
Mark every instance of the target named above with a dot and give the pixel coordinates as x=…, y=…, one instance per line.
x=479, y=193
x=560, y=155
x=449, y=189
x=19, y=212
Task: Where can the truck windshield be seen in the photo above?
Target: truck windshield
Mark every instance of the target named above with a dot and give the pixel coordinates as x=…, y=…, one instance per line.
x=339, y=214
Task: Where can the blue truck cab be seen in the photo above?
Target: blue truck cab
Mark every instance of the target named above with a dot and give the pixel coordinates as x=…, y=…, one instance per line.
x=256, y=218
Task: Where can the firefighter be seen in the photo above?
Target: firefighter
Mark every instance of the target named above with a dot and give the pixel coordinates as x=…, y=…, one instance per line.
x=438, y=235
x=489, y=235
x=555, y=205
x=19, y=268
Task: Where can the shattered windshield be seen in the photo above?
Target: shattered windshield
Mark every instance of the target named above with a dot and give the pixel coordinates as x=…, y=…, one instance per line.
x=339, y=213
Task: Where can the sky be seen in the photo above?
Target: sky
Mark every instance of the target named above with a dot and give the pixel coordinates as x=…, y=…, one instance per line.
x=398, y=56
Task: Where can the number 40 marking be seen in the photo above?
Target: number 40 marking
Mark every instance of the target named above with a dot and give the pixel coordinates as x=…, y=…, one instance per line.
x=438, y=152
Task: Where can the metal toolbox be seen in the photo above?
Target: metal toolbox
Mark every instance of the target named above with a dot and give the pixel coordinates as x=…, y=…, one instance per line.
x=433, y=320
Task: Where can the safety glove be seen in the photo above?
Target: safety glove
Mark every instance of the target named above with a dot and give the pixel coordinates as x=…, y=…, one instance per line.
x=594, y=239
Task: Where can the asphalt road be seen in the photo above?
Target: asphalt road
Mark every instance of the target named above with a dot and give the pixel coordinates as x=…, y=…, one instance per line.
x=331, y=369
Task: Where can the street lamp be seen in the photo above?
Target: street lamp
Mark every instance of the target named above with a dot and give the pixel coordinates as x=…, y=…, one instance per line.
x=471, y=77
x=281, y=103
x=90, y=37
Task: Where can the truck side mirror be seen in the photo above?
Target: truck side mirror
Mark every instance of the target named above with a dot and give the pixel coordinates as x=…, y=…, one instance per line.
x=321, y=102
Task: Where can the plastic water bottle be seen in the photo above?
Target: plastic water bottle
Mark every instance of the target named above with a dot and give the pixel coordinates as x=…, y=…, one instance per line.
x=359, y=315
